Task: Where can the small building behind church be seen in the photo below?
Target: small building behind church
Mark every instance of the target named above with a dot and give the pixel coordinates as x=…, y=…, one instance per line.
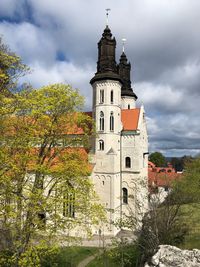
x=160, y=181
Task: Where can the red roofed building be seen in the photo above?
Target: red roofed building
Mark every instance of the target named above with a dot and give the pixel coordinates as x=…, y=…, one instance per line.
x=160, y=179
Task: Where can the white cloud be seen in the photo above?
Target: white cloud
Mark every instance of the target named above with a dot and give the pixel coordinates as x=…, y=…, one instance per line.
x=8, y=7
x=29, y=41
x=159, y=96
x=62, y=72
x=163, y=40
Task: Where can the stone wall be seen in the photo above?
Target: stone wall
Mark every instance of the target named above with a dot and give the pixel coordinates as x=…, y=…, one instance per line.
x=169, y=256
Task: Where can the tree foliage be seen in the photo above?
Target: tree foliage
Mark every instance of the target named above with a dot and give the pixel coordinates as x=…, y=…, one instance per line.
x=189, y=185
x=44, y=167
x=11, y=68
x=158, y=159
x=179, y=164
x=162, y=225
x=165, y=223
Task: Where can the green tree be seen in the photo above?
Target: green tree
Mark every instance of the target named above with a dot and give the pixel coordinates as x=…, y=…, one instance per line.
x=189, y=184
x=44, y=167
x=162, y=225
x=169, y=222
x=179, y=164
x=11, y=68
x=158, y=159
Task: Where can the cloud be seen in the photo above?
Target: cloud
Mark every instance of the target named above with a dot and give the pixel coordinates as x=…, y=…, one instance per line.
x=58, y=39
x=185, y=77
x=160, y=97
x=176, y=133
x=30, y=42
x=13, y=10
x=62, y=72
x=8, y=8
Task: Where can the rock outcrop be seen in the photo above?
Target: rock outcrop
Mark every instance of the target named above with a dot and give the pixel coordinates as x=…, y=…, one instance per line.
x=169, y=256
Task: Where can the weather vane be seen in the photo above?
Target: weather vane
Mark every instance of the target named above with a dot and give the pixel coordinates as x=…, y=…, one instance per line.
x=123, y=44
x=107, y=13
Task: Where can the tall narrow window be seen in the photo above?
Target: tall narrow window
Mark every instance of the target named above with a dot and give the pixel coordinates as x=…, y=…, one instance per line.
x=111, y=121
x=101, y=96
x=128, y=162
x=101, y=145
x=69, y=203
x=111, y=97
x=101, y=121
x=124, y=195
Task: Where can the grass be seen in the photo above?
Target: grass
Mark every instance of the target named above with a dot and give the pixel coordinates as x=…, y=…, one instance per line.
x=112, y=257
x=102, y=261
x=71, y=256
x=190, y=214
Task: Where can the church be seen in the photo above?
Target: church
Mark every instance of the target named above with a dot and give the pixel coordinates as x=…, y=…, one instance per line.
x=119, y=154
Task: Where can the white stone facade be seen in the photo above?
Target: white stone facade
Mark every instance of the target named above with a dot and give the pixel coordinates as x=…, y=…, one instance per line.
x=120, y=147
x=128, y=102
x=111, y=175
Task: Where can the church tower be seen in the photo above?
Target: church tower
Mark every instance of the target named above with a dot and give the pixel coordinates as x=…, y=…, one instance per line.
x=107, y=95
x=128, y=96
x=121, y=144
x=107, y=85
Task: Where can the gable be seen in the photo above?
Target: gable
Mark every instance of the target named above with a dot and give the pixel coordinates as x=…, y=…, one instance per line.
x=130, y=119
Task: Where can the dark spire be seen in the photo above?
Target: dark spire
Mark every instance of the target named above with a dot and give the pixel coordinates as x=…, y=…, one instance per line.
x=106, y=64
x=124, y=73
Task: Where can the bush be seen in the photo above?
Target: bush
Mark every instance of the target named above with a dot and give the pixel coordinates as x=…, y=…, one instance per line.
x=126, y=253
x=162, y=226
x=35, y=256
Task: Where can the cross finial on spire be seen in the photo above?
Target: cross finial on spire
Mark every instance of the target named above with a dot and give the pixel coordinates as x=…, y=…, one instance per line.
x=107, y=13
x=123, y=44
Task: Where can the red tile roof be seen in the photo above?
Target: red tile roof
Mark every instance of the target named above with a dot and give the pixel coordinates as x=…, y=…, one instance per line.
x=57, y=160
x=161, y=176
x=162, y=179
x=130, y=118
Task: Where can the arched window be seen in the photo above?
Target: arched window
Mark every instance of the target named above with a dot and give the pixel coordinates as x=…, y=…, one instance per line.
x=101, y=96
x=111, y=121
x=124, y=195
x=111, y=96
x=69, y=203
x=101, y=121
x=128, y=162
x=128, y=106
x=101, y=145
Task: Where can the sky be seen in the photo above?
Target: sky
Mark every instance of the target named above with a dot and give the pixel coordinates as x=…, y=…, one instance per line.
x=58, y=40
